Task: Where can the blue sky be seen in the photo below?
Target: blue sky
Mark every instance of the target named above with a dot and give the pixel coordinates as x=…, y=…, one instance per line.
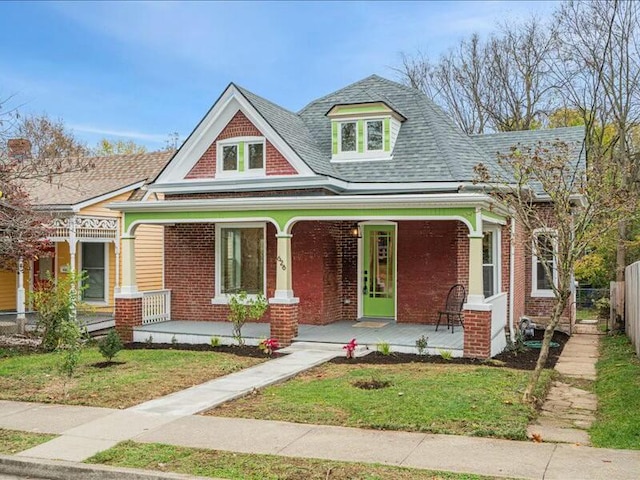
x=142, y=70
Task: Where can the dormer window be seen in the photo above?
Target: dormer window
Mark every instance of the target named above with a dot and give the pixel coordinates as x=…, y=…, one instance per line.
x=241, y=156
x=363, y=131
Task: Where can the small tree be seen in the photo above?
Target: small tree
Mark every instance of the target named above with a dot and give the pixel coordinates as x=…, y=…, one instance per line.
x=110, y=345
x=575, y=196
x=243, y=308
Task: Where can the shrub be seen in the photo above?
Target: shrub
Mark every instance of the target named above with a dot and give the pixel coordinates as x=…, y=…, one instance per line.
x=56, y=304
x=422, y=344
x=384, y=348
x=110, y=345
x=215, y=342
x=268, y=345
x=446, y=354
x=350, y=347
x=603, y=305
x=243, y=308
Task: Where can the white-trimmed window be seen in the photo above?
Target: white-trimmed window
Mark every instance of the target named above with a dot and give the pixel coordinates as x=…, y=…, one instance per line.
x=241, y=156
x=375, y=135
x=491, y=262
x=544, y=250
x=348, y=136
x=240, y=259
x=93, y=258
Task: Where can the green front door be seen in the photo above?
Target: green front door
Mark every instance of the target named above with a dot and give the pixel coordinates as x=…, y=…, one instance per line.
x=379, y=271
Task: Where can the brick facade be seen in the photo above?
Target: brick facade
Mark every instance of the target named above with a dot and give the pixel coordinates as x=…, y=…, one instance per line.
x=477, y=334
x=128, y=315
x=284, y=322
x=241, y=126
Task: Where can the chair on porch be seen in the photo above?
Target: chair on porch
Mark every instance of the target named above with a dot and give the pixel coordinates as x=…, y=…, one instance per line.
x=453, y=308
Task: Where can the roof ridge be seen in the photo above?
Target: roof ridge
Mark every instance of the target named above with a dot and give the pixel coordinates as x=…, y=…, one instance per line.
x=243, y=90
x=516, y=132
x=324, y=97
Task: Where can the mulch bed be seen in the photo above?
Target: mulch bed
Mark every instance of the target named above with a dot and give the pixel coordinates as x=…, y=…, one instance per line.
x=524, y=360
x=244, y=351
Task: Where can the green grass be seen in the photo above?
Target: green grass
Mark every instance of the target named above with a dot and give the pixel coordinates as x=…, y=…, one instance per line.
x=12, y=441
x=618, y=389
x=586, y=314
x=143, y=375
x=242, y=466
x=453, y=399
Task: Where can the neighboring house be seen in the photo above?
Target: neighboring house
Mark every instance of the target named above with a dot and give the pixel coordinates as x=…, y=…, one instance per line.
x=360, y=206
x=86, y=234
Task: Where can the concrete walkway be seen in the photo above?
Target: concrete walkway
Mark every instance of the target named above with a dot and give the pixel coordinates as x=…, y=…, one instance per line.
x=568, y=410
x=439, y=452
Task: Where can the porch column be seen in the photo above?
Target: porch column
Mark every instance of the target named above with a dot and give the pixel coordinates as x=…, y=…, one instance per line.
x=476, y=286
x=128, y=300
x=20, y=297
x=284, y=306
x=73, y=244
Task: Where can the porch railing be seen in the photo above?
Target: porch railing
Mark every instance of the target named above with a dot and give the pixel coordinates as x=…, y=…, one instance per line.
x=498, y=322
x=156, y=306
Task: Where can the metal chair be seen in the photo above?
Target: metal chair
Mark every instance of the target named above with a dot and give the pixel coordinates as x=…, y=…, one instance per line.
x=453, y=308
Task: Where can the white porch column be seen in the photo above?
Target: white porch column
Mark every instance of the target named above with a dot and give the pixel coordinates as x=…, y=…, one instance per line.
x=20, y=294
x=73, y=244
x=284, y=282
x=128, y=265
x=476, y=285
x=116, y=247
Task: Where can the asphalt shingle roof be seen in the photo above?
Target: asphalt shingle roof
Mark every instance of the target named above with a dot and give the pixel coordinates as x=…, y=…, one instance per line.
x=108, y=175
x=429, y=147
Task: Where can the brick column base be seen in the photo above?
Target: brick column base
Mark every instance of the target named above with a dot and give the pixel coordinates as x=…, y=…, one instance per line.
x=284, y=322
x=477, y=333
x=128, y=315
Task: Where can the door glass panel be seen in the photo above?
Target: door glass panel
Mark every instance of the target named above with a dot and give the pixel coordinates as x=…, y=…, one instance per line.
x=381, y=274
x=93, y=264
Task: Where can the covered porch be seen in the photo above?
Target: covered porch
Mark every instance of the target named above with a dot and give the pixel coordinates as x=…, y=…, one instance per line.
x=400, y=337
x=325, y=265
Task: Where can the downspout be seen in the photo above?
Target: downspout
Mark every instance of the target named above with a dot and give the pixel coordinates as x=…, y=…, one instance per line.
x=512, y=262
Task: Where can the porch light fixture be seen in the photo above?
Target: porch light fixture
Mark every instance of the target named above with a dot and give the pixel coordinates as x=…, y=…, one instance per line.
x=356, y=232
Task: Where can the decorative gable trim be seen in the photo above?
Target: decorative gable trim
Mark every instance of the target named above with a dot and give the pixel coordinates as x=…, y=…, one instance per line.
x=209, y=129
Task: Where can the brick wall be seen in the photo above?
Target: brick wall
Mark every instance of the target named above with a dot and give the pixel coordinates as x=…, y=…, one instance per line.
x=190, y=271
x=427, y=268
x=240, y=126
x=462, y=256
x=284, y=324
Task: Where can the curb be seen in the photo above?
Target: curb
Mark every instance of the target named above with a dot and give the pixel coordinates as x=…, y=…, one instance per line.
x=61, y=470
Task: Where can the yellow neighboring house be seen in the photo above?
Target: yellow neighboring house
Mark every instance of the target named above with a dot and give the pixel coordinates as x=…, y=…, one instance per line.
x=86, y=233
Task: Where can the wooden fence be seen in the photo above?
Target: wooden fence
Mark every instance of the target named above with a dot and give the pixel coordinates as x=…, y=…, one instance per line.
x=631, y=300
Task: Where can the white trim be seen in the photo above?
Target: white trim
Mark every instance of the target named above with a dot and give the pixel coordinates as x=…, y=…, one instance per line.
x=340, y=123
x=497, y=259
x=223, y=298
x=535, y=292
x=247, y=172
x=366, y=134
x=230, y=102
x=360, y=254
x=80, y=261
x=86, y=203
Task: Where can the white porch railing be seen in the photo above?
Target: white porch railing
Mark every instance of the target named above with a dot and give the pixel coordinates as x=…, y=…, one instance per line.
x=498, y=322
x=156, y=306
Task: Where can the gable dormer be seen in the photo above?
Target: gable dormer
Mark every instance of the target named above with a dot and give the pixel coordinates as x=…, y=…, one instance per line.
x=363, y=131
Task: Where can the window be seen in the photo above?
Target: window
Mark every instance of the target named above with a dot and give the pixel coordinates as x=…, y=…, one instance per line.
x=241, y=156
x=491, y=262
x=240, y=259
x=94, y=267
x=348, y=137
x=543, y=252
x=374, y=135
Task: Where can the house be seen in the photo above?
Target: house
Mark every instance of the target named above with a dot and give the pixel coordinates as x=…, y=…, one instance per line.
x=86, y=234
x=361, y=205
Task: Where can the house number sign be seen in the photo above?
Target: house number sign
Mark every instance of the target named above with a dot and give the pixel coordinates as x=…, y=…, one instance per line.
x=281, y=262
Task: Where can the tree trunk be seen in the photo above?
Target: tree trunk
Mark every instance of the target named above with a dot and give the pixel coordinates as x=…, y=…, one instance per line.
x=559, y=307
x=621, y=250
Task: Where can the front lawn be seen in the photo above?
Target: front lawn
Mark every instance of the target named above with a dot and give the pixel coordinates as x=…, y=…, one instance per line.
x=618, y=389
x=12, y=441
x=243, y=466
x=435, y=398
x=139, y=375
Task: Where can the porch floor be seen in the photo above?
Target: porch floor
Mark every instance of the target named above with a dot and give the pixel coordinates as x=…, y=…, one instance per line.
x=401, y=337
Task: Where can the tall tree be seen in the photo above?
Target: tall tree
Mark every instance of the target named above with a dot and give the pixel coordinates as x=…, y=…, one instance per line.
x=107, y=147
x=559, y=230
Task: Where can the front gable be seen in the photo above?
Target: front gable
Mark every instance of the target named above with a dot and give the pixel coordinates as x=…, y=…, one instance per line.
x=241, y=128
x=233, y=130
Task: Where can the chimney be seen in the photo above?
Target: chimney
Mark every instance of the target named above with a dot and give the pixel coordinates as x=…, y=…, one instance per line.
x=19, y=148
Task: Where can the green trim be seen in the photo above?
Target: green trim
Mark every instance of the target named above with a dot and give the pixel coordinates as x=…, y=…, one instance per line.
x=241, y=156
x=334, y=137
x=495, y=216
x=380, y=277
x=281, y=217
x=387, y=135
x=360, y=136
x=359, y=109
